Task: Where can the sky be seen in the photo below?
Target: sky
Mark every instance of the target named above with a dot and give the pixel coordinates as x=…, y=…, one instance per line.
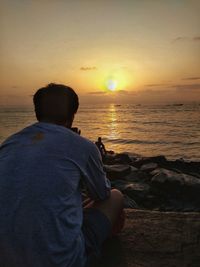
x=129, y=51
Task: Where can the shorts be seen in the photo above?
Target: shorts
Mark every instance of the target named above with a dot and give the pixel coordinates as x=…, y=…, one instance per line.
x=96, y=229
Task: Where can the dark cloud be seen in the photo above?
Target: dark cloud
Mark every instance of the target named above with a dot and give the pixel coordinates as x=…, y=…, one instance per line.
x=197, y=38
x=156, y=84
x=185, y=38
x=154, y=91
x=88, y=68
x=97, y=93
x=186, y=87
x=180, y=39
x=123, y=92
x=191, y=78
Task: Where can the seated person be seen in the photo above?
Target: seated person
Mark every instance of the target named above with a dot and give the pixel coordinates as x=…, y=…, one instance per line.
x=101, y=147
x=43, y=222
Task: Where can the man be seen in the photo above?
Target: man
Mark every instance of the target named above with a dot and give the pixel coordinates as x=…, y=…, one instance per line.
x=42, y=167
x=101, y=147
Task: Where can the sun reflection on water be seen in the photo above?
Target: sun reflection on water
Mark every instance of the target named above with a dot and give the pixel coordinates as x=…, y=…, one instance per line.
x=112, y=123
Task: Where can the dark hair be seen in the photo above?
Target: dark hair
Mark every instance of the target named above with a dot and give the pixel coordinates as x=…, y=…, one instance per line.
x=55, y=103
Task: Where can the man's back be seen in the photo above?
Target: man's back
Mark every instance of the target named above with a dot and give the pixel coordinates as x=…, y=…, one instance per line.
x=40, y=198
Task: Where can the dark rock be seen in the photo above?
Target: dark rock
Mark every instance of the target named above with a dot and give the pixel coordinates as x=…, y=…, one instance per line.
x=151, y=202
x=133, y=156
x=176, y=189
x=133, y=175
x=182, y=166
x=134, y=169
x=117, y=171
x=139, y=176
x=195, y=174
x=149, y=167
x=163, y=176
x=141, y=161
x=154, y=182
x=109, y=158
x=136, y=191
x=122, y=159
x=118, y=184
x=129, y=203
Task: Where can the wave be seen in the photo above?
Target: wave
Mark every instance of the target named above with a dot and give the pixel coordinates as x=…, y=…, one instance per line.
x=149, y=142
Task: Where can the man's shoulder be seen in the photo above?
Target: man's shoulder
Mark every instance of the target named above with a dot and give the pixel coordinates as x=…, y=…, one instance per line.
x=17, y=135
x=86, y=143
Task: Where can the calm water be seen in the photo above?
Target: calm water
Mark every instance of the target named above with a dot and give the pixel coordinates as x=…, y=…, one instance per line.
x=173, y=131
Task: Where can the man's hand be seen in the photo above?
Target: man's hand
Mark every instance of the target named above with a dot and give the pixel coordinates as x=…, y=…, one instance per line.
x=76, y=130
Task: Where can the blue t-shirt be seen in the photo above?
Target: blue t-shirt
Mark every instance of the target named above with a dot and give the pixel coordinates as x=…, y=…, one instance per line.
x=41, y=171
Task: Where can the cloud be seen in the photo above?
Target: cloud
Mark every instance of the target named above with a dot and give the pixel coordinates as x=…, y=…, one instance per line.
x=186, y=38
x=154, y=91
x=187, y=87
x=88, y=68
x=180, y=39
x=197, y=38
x=123, y=92
x=97, y=93
x=191, y=78
x=156, y=84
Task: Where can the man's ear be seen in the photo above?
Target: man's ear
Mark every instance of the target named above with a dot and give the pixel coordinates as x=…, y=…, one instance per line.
x=70, y=122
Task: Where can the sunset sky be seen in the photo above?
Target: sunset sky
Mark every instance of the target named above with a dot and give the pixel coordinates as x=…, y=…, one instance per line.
x=146, y=51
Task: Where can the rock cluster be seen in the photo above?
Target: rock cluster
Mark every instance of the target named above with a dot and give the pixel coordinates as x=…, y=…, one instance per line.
x=162, y=201
x=155, y=183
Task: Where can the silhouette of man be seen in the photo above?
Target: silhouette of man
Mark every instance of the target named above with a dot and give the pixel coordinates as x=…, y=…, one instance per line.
x=43, y=222
x=101, y=147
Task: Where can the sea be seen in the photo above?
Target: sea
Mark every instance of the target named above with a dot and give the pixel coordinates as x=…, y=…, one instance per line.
x=148, y=130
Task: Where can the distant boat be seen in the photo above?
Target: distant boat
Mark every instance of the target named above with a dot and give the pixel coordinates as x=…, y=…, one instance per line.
x=117, y=105
x=178, y=105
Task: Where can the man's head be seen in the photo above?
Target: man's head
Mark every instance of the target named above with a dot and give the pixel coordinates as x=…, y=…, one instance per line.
x=56, y=103
x=99, y=139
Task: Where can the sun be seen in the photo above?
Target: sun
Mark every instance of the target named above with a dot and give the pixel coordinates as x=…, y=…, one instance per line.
x=113, y=81
x=111, y=85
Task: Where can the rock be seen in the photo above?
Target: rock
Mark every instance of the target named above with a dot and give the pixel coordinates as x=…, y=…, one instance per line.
x=182, y=166
x=195, y=174
x=133, y=175
x=155, y=239
x=163, y=176
x=138, y=176
x=120, y=158
x=149, y=167
x=130, y=203
x=178, y=190
x=136, y=191
x=118, y=184
x=133, y=169
x=109, y=158
x=141, y=161
x=117, y=171
x=133, y=156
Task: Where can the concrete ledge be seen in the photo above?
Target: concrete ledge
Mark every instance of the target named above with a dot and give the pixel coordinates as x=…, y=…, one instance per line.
x=155, y=239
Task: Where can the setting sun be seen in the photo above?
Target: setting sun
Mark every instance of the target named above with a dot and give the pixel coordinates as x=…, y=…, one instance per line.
x=117, y=80
x=111, y=85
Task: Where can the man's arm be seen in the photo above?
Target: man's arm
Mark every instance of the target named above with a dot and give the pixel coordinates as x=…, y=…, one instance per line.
x=95, y=178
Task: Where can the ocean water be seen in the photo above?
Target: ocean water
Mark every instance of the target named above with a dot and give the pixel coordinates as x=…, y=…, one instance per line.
x=149, y=130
